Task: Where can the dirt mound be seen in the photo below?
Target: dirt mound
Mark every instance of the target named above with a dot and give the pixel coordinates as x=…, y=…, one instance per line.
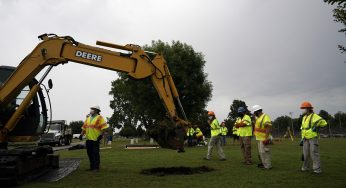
x=162, y=171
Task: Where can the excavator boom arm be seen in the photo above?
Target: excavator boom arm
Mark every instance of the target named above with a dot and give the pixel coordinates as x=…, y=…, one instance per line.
x=54, y=50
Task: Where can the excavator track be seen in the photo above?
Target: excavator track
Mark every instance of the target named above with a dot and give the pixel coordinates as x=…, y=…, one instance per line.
x=23, y=164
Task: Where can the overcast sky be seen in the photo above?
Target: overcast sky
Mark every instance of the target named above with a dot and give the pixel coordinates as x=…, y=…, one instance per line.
x=275, y=53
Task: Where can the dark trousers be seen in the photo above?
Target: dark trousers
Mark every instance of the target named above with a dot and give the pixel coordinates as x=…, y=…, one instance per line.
x=223, y=140
x=93, y=150
x=189, y=140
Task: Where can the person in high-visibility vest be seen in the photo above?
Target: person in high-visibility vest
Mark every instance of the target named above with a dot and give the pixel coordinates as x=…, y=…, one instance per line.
x=243, y=122
x=215, y=139
x=262, y=132
x=199, y=134
x=310, y=124
x=190, y=134
x=235, y=134
x=224, y=132
x=93, y=128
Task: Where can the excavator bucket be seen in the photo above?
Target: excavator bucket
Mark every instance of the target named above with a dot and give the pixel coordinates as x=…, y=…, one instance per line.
x=168, y=135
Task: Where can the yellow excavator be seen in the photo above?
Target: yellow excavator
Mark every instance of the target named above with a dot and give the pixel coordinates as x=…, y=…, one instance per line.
x=23, y=109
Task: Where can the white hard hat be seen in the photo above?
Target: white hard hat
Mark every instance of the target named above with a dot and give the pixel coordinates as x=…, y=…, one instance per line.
x=96, y=107
x=256, y=108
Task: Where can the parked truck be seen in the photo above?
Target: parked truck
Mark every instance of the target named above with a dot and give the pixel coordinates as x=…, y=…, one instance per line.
x=57, y=133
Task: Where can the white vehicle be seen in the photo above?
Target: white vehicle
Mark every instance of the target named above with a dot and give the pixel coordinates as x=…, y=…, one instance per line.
x=58, y=134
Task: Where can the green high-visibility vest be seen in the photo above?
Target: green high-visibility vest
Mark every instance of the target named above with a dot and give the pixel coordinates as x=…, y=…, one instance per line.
x=309, y=122
x=215, y=128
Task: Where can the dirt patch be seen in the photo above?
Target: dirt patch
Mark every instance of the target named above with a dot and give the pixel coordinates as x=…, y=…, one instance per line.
x=162, y=171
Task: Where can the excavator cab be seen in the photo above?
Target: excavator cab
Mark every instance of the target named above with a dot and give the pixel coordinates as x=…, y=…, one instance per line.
x=34, y=119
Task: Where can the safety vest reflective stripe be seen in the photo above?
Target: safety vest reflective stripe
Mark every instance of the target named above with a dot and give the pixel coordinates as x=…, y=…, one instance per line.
x=260, y=130
x=92, y=127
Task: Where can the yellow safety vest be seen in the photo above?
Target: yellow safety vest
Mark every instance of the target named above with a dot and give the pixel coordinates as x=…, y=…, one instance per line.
x=215, y=128
x=247, y=130
x=198, y=132
x=190, y=131
x=224, y=131
x=260, y=126
x=235, y=130
x=93, y=127
x=310, y=121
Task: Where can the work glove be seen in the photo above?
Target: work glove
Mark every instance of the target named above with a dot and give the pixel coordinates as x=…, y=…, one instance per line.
x=265, y=142
x=81, y=137
x=314, y=129
x=99, y=138
x=301, y=142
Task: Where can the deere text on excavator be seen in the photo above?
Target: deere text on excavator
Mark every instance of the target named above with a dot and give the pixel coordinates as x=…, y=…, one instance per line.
x=23, y=109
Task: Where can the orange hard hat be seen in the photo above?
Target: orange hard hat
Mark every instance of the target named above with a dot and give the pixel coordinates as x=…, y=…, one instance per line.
x=211, y=113
x=305, y=104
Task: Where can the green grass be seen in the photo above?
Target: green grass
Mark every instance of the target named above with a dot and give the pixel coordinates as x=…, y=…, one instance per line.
x=121, y=168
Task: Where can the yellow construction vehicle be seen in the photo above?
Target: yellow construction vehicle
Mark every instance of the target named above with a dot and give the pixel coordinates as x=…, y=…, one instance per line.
x=23, y=111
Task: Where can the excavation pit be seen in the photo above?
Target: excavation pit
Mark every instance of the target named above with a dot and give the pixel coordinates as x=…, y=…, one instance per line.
x=164, y=171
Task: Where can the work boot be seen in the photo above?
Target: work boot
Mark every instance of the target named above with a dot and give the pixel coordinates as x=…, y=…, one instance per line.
x=260, y=165
x=223, y=159
x=317, y=171
x=207, y=159
x=304, y=169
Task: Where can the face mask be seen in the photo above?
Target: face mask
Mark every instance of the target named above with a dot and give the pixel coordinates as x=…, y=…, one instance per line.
x=92, y=112
x=305, y=111
x=210, y=117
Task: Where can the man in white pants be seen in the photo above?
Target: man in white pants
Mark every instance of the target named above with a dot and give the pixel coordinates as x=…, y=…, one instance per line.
x=215, y=139
x=310, y=124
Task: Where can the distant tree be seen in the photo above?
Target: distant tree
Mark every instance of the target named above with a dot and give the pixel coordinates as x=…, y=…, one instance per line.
x=140, y=131
x=281, y=124
x=325, y=115
x=128, y=131
x=339, y=14
x=233, y=114
x=340, y=120
x=76, y=126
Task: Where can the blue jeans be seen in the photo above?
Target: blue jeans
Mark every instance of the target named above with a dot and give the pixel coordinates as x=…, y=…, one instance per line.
x=223, y=140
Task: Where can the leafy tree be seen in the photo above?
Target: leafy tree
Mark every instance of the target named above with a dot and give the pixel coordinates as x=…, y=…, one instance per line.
x=233, y=114
x=137, y=103
x=339, y=14
x=128, y=131
x=325, y=115
x=76, y=126
x=140, y=131
x=281, y=124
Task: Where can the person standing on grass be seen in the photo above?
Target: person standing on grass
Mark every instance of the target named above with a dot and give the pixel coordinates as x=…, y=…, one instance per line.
x=224, y=132
x=190, y=135
x=262, y=132
x=235, y=134
x=215, y=139
x=243, y=123
x=94, y=127
x=310, y=125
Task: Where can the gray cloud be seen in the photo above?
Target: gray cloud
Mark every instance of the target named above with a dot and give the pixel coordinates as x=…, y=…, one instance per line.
x=274, y=53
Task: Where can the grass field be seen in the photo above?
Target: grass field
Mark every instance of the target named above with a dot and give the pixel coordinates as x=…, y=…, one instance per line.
x=121, y=168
